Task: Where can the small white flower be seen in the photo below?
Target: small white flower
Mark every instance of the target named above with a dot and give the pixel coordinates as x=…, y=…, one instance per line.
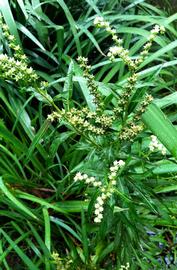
x=92, y=179
x=100, y=216
x=97, y=211
x=113, y=168
x=100, y=200
x=97, y=205
x=100, y=209
x=95, y=184
x=121, y=163
x=113, y=182
x=115, y=50
x=88, y=181
x=115, y=163
x=97, y=220
x=78, y=176
x=85, y=176
x=103, y=196
x=98, y=20
x=155, y=145
x=113, y=174
x=108, y=194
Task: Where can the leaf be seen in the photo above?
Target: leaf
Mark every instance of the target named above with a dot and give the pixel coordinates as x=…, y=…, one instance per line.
x=166, y=189
x=72, y=24
x=16, y=202
x=37, y=139
x=68, y=86
x=27, y=33
x=19, y=251
x=159, y=124
x=65, y=226
x=47, y=228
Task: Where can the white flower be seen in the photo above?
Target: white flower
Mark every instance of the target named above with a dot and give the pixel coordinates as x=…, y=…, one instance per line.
x=78, y=176
x=85, y=176
x=97, y=220
x=92, y=179
x=100, y=200
x=113, y=174
x=100, y=216
x=88, y=181
x=113, y=182
x=103, y=196
x=97, y=205
x=115, y=163
x=115, y=50
x=101, y=209
x=155, y=145
x=113, y=168
x=98, y=20
x=97, y=211
x=121, y=163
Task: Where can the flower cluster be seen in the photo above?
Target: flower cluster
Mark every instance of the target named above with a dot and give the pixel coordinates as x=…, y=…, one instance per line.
x=92, y=86
x=12, y=43
x=16, y=70
x=106, y=190
x=84, y=120
x=117, y=49
x=154, y=32
x=131, y=128
x=61, y=264
x=130, y=131
x=122, y=53
x=127, y=92
x=142, y=107
x=155, y=145
x=125, y=267
x=88, y=180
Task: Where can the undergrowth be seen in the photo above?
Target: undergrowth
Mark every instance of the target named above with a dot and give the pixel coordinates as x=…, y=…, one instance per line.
x=88, y=137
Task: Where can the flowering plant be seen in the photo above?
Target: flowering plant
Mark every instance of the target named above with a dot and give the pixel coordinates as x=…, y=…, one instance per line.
x=113, y=178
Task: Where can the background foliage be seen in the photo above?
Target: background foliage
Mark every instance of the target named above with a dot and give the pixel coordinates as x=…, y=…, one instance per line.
x=42, y=211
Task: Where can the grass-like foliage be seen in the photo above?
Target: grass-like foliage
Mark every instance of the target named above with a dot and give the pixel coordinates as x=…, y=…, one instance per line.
x=87, y=135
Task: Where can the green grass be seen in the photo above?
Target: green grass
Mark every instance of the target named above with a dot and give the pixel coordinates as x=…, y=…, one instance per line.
x=42, y=210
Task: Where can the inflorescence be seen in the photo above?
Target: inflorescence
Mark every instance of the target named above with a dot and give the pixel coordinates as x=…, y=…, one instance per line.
x=92, y=86
x=125, y=267
x=15, y=68
x=156, y=146
x=84, y=120
x=131, y=127
x=106, y=190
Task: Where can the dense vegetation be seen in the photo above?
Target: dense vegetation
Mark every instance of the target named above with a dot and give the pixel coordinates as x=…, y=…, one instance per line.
x=88, y=135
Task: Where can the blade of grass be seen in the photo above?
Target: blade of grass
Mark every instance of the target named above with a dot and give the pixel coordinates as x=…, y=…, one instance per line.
x=17, y=203
x=159, y=124
x=19, y=251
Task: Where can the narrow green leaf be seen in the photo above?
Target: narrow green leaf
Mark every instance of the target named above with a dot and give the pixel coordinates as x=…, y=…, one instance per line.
x=159, y=124
x=47, y=228
x=65, y=226
x=27, y=33
x=68, y=86
x=16, y=202
x=19, y=251
x=72, y=24
x=37, y=139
